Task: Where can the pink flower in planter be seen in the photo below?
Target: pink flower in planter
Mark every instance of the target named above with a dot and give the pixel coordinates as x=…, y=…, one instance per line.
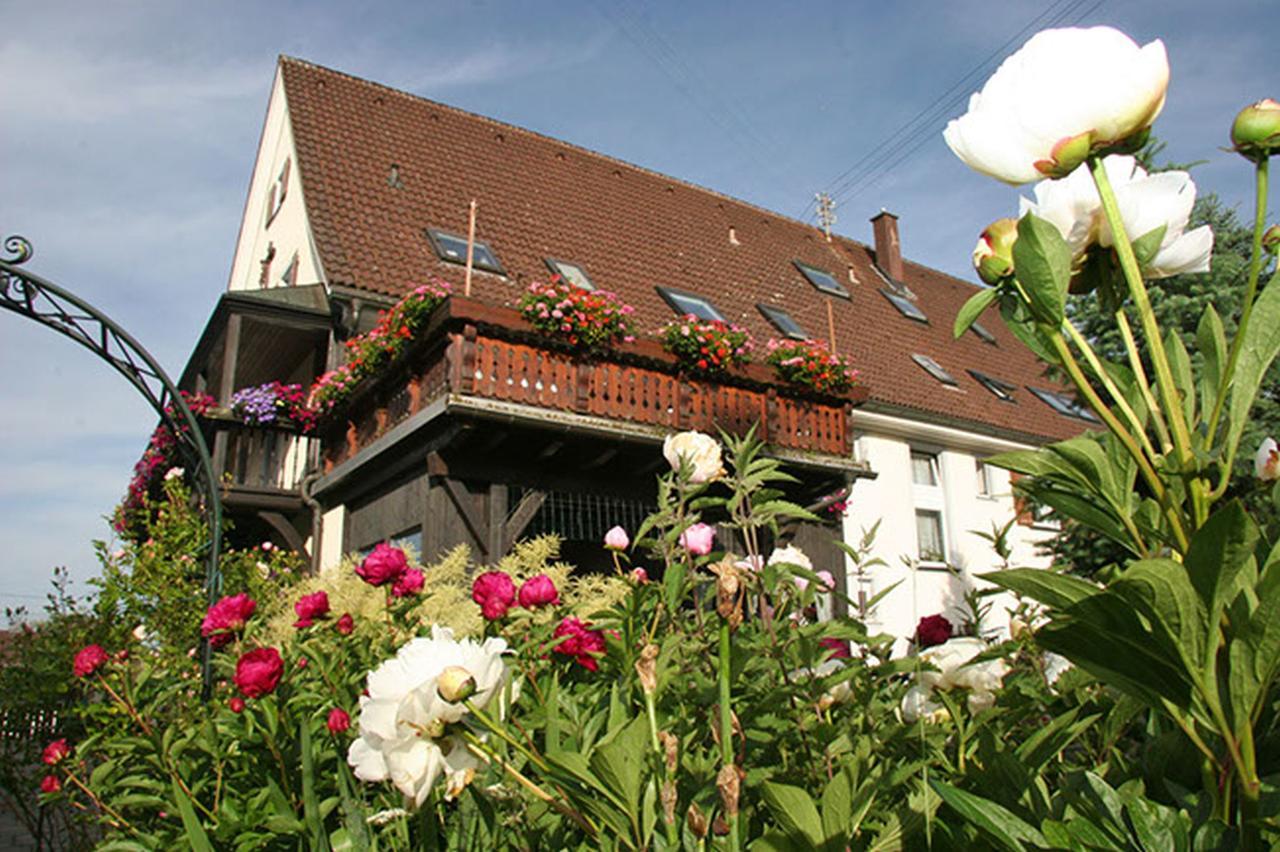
x=384, y=565
x=538, y=591
x=258, y=672
x=339, y=720
x=698, y=539
x=616, y=539
x=408, y=583
x=583, y=644
x=89, y=660
x=226, y=617
x=310, y=607
x=495, y=592
x=55, y=752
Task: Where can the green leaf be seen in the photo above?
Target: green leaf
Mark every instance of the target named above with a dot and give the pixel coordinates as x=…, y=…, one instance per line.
x=196, y=837
x=1049, y=740
x=1147, y=246
x=1211, y=341
x=1161, y=587
x=1183, y=379
x=999, y=823
x=1042, y=260
x=310, y=803
x=1260, y=346
x=1055, y=590
x=973, y=308
x=837, y=800
x=794, y=811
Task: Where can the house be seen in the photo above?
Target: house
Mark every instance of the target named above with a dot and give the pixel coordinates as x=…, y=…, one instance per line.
x=486, y=433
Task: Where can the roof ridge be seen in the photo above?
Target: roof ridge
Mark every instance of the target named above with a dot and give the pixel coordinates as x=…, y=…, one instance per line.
x=284, y=58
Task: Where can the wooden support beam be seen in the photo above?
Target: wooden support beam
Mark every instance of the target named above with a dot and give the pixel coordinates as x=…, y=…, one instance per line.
x=281, y=525
x=550, y=449
x=497, y=520
x=602, y=458
x=520, y=517
x=230, y=358
x=474, y=521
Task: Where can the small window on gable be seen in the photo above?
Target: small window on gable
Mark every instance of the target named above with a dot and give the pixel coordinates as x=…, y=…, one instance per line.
x=275, y=198
x=453, y=249
x=934, y=369
x=823, y=280
x=905, y=306
x=571, y=272
x=687, y=303
x=783, y=322
x=289, y=277
x=983, y=334
x=1064, y=405
x=1002, y=390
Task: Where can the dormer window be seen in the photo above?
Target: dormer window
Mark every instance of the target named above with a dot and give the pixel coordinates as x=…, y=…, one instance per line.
x=1002, y=390
x=571, y=272
x=905, y=306
x=983, y=333
x=934, y=369
x=1064, y=405
x=687, y=303
x=783, y=322
x=822, y=279
x=452, y=248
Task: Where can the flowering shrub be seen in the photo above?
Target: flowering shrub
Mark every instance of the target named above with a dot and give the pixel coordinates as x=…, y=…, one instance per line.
x=273, y=402
x=708, y=347
x=586, y=319
x=368, y=353
x=158, y=459
x=810, y=364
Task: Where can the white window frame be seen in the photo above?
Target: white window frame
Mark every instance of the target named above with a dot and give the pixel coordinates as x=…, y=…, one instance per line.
x=982, y=476
x=931, y=499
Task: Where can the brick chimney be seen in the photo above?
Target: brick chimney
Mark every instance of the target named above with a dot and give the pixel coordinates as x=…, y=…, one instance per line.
x=888, y=249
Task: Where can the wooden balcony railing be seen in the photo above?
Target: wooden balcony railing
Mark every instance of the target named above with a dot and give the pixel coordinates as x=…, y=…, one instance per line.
x=470, y=351
x=261, y=458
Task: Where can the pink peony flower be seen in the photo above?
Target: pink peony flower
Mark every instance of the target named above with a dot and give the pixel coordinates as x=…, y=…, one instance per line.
x=310, y=607
x=616, y=539
x=225, y=617
x=339, y=720
x=50, y=784
x=827, y=581
x=55, y=752
x=839, y=648
x=89, y=660
x=698, y=539
x=495, y=592
x=932, y=630
x=408, y=583
x=258, y=672
x=384, y=565
x=538, y=591
x=583, y=644
x=639, y=576
x=346, y=625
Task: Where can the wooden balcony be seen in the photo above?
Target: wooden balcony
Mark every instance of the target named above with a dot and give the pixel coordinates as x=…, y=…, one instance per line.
x=260, y=465
x=478, y=355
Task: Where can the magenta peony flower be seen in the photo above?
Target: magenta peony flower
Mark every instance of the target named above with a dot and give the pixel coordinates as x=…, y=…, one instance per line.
x=698, y=539
x=616, y=539
x=258, y=672
x=89, y=660
x=932, y=630
x=50, y=784
x=225, y=617
x=55, y=752
x=408, y=583
x=583, y=644
x=839, y=648
x=384, y=565
x=495, y=592
x=346, y=625
x=310, y=607
x=538, y=591
x=339, y=720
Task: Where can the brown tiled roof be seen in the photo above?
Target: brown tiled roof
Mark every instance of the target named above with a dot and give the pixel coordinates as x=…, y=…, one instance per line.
x=631, y=229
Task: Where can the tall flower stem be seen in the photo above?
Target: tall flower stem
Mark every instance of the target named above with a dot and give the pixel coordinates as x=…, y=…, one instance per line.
x=726, y=719
x=1091, y=358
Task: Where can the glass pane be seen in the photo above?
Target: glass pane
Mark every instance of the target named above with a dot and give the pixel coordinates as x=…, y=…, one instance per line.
x=924, y=469
x=905, y=306
x=984, y=477
x=823, y=280
x=929, y=536
x=700, y=308
x=575, y=275
x=783, y=322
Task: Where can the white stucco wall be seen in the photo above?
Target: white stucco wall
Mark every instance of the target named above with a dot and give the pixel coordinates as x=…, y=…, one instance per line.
x=288, y=230
x=891, y=498
x=331, y=535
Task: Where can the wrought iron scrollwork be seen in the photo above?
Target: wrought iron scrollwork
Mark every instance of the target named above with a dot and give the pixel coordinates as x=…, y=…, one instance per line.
x=36, y=298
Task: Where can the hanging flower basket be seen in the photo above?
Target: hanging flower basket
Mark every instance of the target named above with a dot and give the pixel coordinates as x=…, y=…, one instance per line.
x=272, y=403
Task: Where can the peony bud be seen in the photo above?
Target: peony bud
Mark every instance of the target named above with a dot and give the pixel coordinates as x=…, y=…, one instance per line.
x=408, y=583
x=338, y=720
x=236, y=704
x=455, y=684
x=1271, y=240
x=1266, y=464
x=55, y=752
x=495, y=592
x=616, y=539
x=50, y=784
x=639, y=576
x=1256, y=131
x=698, y=539
x=993, y=256
x=346, y=625
x=538, y=591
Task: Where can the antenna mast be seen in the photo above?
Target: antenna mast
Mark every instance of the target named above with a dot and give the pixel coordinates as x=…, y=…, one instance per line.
x=826, y=213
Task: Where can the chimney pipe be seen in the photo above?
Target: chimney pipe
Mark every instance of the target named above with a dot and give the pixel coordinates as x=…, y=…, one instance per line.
x=888, y=249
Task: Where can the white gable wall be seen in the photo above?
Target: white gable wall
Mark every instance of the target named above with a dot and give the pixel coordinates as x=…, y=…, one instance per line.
x=288, y=230
x=886, y=444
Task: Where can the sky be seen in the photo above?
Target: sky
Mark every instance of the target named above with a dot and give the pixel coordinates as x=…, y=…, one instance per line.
x=131, y=128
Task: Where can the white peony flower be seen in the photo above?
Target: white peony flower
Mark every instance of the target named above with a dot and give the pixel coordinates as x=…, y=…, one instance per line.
x=702, y=452
x=403, y=719
x=1266, y=464
x=791, y=555
x=951, y=659
x=1146, y=202
x=1065, y=93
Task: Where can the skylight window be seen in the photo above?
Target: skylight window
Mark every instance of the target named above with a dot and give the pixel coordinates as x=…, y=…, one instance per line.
x=1002, y=390
x=983, y=334
x=687, y=303
x=823, y=280
x=1064, y=405
x=905, y=306
x=571, y=272
x=783, y=322
x=934, y=369
x=453, y=248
